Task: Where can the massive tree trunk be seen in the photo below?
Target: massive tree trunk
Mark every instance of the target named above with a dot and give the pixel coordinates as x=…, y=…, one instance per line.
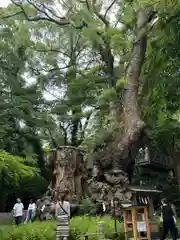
x=133, y=122
x=112, y=158
x=68, y=172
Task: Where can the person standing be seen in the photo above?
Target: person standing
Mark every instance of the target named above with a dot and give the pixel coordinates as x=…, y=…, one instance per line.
x=18, y=211
x=168, y=218
x=62, y=213
x=31, y=211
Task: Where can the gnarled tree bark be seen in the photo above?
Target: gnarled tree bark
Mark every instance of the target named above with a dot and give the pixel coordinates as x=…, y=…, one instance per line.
x=68, y=172
x=132, y=119
x=114, y=157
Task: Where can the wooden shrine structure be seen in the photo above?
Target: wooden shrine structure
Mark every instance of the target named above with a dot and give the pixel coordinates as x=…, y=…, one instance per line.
x=139, y=222
x=142, y=195
x=136, y=223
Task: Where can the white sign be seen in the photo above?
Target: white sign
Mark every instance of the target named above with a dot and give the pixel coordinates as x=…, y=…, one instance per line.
x=141, y=226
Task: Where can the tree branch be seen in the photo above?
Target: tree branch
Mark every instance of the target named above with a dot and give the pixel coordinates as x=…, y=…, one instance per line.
x=54, y=143
x=47, y=15
x=110, y=6
x=85, y=125
x=12, y=15
x=105, y=49
x=100, y=16
x=63, y=21
x=64, y=132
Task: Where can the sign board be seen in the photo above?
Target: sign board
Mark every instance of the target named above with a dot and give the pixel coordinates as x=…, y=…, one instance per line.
x=141, y=226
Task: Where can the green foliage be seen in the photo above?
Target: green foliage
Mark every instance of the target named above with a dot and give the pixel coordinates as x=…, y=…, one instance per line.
x=13, y=169
x=120, y=83
x=70, y=60
x=87, y=207
x=107, y=96
x=78, y=67
x=32, y=187
x=20, y=179
x=46, y=230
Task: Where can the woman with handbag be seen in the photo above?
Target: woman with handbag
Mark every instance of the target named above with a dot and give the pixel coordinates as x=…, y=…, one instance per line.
x=62, y=213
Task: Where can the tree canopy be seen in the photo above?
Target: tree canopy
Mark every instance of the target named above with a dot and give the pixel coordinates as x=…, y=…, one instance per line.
x=90, y=74
x=14, y=172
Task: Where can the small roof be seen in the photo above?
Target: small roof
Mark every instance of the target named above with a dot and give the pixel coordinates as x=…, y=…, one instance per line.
x=143, y=189
x=135, y=206
x=125, y=205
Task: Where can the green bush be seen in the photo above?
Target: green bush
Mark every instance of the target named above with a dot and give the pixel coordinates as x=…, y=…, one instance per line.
x=12, y=171
x=87, y=207
x=46, y=230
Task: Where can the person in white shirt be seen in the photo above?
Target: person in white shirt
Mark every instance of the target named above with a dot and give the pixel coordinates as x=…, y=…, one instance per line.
x=31, y=211
x=18, y=210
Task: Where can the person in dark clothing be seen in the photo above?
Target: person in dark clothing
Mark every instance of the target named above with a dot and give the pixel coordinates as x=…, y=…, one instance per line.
x=168, y=219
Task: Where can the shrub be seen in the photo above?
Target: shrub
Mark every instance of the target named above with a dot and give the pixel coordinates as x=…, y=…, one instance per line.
x=87, y=207
x=46, y=230
x=12, y=171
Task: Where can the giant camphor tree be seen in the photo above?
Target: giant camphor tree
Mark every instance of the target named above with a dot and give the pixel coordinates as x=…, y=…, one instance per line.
x=102, y=47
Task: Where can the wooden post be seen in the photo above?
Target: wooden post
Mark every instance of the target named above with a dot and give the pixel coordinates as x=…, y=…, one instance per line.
x=147, y=223
x=125, y=225
x=134, y=223
x=151, y=208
